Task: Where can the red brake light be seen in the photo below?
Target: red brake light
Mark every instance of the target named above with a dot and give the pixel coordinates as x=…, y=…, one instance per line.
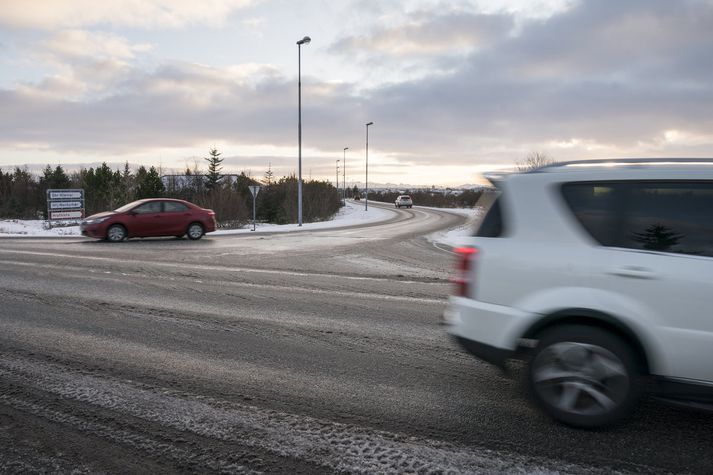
x=464, y=265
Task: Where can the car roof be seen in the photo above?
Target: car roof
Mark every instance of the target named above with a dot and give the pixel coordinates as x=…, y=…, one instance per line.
x=624, y=163
x=614, y=167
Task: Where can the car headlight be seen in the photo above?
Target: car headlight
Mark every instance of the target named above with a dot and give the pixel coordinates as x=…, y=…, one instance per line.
x=96, y=220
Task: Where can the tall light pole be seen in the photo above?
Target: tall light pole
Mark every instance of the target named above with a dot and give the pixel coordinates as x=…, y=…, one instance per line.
x=303, y=41
x=344, y=174
x=337, y=176
x=366, y=197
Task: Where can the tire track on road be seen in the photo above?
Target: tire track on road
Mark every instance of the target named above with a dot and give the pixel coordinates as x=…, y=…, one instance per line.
x=336, y=446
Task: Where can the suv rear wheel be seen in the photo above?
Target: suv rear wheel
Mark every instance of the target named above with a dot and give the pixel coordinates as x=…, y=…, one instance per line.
x=584, y=376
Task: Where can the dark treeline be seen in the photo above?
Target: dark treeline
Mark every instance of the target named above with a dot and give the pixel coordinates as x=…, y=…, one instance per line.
x=436, y=199
x=23, y=194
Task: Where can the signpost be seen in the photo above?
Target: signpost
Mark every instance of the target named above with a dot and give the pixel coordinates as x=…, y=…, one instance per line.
x=64, y=204
x=254, y=189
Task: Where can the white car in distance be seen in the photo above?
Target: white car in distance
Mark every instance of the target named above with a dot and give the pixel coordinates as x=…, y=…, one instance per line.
x=403, y=200
x=599, y=275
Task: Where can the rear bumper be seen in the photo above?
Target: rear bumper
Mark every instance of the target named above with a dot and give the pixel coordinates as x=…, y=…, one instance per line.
x=489, y=332
x=209, y=226
x=487, y=353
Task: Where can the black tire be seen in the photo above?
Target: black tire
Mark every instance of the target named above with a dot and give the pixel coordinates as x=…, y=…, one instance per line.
x=195, y=231
x=584, y=376
x=116, y=233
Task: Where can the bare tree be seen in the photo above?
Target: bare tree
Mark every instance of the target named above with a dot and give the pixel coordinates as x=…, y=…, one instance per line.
x=534, y=160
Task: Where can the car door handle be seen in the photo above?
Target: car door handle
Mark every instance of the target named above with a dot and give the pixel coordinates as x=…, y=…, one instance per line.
x=633, y=272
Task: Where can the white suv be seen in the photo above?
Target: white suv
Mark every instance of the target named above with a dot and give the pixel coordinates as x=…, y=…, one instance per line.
x=403, y=200
x=600, y=276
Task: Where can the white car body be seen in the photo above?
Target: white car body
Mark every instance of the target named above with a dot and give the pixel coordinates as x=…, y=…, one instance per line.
x=547, y=268
x=403, y=200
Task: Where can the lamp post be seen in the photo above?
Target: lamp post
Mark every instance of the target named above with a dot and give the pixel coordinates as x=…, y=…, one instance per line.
x=303, y=41
x=366, y=196
x=337, y=176
x=344, y=174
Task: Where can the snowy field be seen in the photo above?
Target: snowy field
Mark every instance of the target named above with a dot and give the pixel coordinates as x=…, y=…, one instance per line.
x=352, y=214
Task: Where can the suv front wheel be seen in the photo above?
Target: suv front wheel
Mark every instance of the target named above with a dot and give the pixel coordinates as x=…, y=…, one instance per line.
x=584, y=376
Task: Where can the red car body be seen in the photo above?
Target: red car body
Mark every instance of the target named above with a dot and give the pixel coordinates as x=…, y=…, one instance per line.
x=150, y=217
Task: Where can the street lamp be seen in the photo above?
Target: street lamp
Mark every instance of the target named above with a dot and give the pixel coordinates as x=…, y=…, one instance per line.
x=344, y=175
x=337, y=177
x=303, y=41
x=366, y=197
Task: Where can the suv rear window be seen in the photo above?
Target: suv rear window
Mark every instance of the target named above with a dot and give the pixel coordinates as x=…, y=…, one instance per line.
x=593, y=205
x=664, y=216
x=492, y=224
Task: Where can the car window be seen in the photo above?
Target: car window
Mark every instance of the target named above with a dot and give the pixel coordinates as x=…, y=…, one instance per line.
x=492, y=224
x=126, y=207
x=660, y=216
x=150, y=207
x=669, y=217
x=174, y=207
x=594, y=206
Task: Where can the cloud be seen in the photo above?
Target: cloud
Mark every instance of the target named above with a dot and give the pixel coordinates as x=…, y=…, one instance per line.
x=52, y=14
x=424, y=34
x=599, y=78
x=77, y=44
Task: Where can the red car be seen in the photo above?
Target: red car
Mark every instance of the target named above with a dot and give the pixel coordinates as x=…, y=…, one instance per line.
x=150, y=217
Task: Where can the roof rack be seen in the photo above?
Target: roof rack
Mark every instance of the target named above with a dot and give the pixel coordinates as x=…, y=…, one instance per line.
x=626, y=161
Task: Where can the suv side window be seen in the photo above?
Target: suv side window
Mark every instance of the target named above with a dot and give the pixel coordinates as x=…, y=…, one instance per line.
x=664, y=216
x=492, y=224
x=594, y=205
x=669, y=217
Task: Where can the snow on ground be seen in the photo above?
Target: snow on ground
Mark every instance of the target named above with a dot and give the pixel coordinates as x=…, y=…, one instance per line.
x=454, y=237
x=353, y=213
x=33, y=228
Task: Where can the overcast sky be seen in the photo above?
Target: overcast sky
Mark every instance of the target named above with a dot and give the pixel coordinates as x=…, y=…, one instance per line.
x=453, y=87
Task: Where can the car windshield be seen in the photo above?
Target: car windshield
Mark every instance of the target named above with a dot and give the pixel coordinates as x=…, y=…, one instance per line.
x=127, y=207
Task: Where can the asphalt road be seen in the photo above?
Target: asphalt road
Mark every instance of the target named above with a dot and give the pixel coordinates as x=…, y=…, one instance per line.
x=308, y=352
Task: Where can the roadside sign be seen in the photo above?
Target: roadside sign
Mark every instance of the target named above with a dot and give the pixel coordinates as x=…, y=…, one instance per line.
x=254, y=189
x=65, y=195
x=65, y=204
x=65, y=215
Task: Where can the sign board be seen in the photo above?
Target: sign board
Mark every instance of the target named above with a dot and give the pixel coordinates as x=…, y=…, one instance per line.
x=54, y=195
x=54, y=215
x=254, y=189
x=65, y=204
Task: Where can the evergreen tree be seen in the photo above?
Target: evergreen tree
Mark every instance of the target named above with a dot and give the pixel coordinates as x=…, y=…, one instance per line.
x=214, y=167
x=126, y=184
x=657, y=237
x=148, y=183
x=269, y=176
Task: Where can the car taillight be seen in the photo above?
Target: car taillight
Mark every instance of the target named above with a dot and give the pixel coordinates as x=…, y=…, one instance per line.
x=464, y=266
